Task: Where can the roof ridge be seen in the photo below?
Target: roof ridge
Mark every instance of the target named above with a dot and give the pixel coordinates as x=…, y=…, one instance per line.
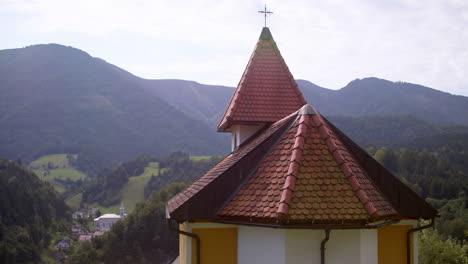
x=227, y=163
x=235, y=96
x=293, y=167
x=326, y=132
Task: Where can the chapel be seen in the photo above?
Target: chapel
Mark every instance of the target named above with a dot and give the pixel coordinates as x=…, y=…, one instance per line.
x=294, y=189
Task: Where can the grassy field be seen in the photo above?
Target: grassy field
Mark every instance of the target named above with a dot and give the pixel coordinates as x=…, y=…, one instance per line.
x=132, y=192
x=51, y=167
x=55, y=166
x=75, y=201
x=200, y=158
x=58, y=160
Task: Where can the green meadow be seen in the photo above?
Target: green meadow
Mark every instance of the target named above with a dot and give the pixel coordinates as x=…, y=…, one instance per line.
x=56, y=166
x=133, y=192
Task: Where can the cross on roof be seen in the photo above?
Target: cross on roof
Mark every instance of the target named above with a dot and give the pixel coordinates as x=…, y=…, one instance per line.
x=265, y=12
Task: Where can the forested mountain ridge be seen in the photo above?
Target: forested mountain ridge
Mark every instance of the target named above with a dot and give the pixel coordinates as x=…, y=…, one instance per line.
x=31, y=212
x=57, y=99
x=399, y=131
x=373, y=96
x=361, y=97
x=200, y=101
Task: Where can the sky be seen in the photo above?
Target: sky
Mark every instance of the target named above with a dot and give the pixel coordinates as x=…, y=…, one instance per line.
x=327, y=42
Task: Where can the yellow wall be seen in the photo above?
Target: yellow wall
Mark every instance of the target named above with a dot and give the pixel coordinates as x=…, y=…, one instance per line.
x=392, y=244
x=218, y=245
x=182, y=245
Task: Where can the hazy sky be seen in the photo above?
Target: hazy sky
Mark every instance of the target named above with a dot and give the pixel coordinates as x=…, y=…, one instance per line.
x=328, y=42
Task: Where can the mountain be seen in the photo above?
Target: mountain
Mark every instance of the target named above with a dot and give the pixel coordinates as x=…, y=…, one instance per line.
x=31, y=215
x=373, y=96
x=361, y=97
x=398, y=131
x=203, y=102
x=57, y=99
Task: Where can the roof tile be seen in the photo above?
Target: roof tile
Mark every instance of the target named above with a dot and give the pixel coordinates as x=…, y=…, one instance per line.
x=267, y=91
x=328, y=188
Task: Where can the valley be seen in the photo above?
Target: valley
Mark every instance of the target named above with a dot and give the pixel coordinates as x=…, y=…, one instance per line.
x=87, y=134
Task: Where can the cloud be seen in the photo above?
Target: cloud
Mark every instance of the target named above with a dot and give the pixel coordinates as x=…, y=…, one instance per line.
x=327, y=42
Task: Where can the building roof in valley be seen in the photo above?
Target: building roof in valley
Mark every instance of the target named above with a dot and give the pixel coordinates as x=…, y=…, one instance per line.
x=107, y=216
x=267, y=91
x=83, y=238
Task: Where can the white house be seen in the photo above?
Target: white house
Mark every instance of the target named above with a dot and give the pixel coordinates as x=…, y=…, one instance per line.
x=105, y=222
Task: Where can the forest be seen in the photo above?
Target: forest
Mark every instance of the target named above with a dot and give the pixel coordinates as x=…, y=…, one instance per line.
x=32, y=215
x=421, y=170
x=440, y=177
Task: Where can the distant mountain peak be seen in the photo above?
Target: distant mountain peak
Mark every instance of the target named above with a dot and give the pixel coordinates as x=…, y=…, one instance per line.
x=59, y=48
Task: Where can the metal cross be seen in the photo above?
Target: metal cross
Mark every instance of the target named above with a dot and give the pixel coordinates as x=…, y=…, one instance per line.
x=265, y=12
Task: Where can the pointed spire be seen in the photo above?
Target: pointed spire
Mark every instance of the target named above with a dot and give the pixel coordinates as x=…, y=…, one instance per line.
x=267, y=90
x=122, y=210
x=266, y=34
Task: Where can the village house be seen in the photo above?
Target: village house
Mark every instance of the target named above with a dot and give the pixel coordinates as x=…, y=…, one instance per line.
x=63, y=243
x=84, y=213
x=105, y=222
x=294, y=189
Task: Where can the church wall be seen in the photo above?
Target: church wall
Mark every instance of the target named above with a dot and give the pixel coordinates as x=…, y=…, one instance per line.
x=222, y=243
x=303, y=246
x=392, y=244
x=344, y=246
x=104, y=224
x=218, y=243
x=241, y=133
x=261, y=245
x=369, y=250
x=184, y=247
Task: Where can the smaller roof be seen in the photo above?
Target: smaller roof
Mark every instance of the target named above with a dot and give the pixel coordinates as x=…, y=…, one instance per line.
x=267, y=90
x=107, y=216
x=98, y=233
x=85, y=238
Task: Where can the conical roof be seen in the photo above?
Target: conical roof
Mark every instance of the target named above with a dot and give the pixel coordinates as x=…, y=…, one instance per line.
x=300, y=170
x=267, y=90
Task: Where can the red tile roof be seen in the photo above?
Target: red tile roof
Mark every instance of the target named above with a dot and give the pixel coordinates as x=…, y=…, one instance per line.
x=267, y=91
x=307, y=172
x=309, y=176
x=244, y=154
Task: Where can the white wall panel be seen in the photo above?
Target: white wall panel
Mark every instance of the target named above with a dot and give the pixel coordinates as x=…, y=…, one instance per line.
x=260, y=245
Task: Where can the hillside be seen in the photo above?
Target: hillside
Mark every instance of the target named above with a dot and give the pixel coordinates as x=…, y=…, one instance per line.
x=133, y=181
x=31, y=214
x=203, y=102
x=361, y=97
x=373, y=96
x=58, y=171
x=371, y=111
x=398, y=131
x=58, y=99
